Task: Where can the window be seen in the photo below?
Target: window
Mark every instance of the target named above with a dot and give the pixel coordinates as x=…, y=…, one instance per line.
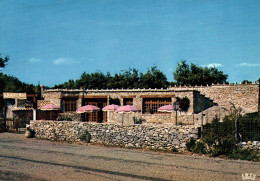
x=128, y=101
x=151, y=105
x=70, y=105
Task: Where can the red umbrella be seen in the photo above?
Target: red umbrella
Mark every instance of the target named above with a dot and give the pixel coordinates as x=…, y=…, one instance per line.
x=166, y=108
x=50, y=107
x=87, y=108
x=128, y=108
x=111, y=107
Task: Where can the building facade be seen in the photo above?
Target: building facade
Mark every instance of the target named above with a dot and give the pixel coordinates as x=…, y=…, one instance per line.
x=204, y=103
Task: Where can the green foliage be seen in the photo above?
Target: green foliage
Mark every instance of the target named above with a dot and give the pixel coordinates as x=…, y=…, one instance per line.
x=245, y=154
x=3, y=61
x=195, y=75
x=220, y=136
x=196, y=146
x=127, y=79
x=246, y=82
x=138, y=121
x=175, y=150
x=184, y=103
x=199, y=148
x=12, y=84
x=220, y=139
x=86, y=137
x=153, y=78
x=249, y=126
x=190, y=144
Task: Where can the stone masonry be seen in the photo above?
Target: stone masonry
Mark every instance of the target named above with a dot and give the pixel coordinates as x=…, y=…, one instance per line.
x=165, y=137
x=206, y=102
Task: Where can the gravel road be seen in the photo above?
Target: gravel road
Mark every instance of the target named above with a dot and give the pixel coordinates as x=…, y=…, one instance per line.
x=32, y=159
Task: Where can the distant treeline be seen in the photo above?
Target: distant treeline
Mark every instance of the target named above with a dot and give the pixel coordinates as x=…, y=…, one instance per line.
x=184, y=74
x=132, y=78
x=13, y=84
x=127, y=79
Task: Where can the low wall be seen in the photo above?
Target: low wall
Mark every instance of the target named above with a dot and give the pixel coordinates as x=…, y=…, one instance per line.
x=152, y=136
x=250, y=144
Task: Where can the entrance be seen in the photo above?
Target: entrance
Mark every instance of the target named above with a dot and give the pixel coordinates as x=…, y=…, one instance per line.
x=99, y=116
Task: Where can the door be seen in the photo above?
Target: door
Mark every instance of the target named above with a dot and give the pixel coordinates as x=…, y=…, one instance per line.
x=98, y=116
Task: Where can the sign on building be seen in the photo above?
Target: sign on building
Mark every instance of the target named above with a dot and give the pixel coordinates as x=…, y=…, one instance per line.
x=10, y=95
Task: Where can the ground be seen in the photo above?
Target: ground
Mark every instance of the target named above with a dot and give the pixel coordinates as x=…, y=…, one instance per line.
x=32, y=159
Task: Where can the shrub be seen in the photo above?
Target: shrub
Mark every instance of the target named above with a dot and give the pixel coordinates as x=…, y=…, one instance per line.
x=199, y=147
x=196, y=146
x=138, y=121
x=249, y=126
x=86, y=137
x=245, y=154
x=174, y=150
x=184, y=103
x=220, y=136
x=190, y=144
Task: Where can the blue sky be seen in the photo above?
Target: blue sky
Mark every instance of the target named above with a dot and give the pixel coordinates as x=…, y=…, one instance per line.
x=50, y=42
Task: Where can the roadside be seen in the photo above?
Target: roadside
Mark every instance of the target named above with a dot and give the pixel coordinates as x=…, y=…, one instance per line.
x=33, y=159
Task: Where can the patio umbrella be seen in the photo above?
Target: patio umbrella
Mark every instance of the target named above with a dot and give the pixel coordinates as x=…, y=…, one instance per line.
x=127, y=109
x=111, y=107
x=166, y=108
x=170, y=108
x=87, y=108
x=50, y=107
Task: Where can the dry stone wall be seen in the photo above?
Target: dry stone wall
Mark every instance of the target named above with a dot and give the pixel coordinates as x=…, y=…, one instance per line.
x=245, y=96
x=250, y=145
x=165, y=137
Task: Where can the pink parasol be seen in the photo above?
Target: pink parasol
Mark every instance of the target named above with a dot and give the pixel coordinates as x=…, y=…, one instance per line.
x=128, y=108
x=87, y=108
x=111, y=107
x=50, y=107
x=166, y=108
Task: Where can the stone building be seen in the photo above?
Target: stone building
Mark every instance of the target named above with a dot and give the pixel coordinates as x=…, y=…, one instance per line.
x=205, y=103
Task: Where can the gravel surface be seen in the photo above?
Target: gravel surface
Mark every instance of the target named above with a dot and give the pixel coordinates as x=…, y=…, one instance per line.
x=33, y=159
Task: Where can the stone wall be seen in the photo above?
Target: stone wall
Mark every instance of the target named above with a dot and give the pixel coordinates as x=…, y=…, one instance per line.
x=183, y=118
x=152, y=136
x=245, y=96
x=250, y=144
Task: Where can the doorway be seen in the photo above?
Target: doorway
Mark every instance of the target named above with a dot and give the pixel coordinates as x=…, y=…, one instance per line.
x=99, y=116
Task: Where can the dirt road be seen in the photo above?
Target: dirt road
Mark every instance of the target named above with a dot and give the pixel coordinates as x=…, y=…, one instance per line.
x=32, y=159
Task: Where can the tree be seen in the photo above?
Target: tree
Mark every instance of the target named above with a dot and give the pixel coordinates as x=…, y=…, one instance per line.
x=3, y=61
x=195, y=75
x=12, y=84
x=246, y=82
x=126, y=79
x=153, y=78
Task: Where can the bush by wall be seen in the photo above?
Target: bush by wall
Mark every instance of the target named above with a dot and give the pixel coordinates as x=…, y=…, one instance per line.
x=219, y=136
x=249, y=127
